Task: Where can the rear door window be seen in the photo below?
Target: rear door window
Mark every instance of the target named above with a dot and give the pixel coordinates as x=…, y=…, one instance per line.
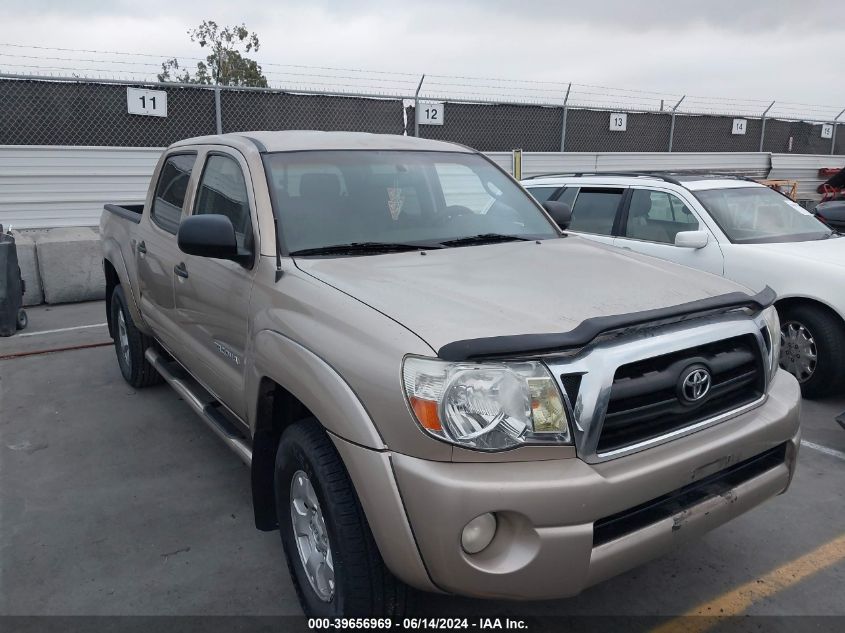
x=171, y=191
x=595, y=210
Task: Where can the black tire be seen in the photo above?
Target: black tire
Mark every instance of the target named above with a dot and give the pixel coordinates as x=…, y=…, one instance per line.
x=136, y=370
x=363, y=586
x=828, y=331
x=23, y=319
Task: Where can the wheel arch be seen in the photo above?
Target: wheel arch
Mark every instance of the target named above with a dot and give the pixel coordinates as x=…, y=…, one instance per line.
x=287, y=383
x=784, y=303
x=114, y=268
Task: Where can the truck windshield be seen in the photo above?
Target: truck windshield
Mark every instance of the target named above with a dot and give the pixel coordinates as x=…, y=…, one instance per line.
x=372, y=201
x=755, y=215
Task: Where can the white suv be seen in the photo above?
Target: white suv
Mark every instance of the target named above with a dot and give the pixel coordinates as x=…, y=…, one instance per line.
x=729, y=226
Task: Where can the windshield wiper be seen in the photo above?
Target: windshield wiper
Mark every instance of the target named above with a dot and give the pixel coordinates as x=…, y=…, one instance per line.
x=485, y=238
x=353, y=248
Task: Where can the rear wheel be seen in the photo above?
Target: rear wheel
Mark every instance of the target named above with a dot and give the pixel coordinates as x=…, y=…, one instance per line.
x=813, y=349
x=130, y=344
x=333, y=560
x=23, y=319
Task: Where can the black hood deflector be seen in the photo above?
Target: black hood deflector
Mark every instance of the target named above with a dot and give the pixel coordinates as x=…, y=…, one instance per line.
x=521, y=345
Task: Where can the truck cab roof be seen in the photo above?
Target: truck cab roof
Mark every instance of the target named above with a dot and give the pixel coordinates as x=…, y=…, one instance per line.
x=305, y=140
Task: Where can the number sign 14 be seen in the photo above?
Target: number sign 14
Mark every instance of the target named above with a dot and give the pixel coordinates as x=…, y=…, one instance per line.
x=739, y=126
x=430, y=114
x=618, y=122
x=146, y=102
x=827, y=130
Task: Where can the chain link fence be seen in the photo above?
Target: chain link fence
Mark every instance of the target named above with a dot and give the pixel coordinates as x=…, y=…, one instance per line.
x=77, y=111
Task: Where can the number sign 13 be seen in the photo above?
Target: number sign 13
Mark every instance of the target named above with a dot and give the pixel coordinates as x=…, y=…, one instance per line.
x=430, y=114
x=618, y=122
x=146, y=102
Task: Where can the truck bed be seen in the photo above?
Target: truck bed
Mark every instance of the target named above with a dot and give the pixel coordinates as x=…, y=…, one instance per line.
x=131, y=212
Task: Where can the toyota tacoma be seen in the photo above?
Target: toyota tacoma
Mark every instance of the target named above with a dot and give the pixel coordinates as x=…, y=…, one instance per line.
x=435, y=387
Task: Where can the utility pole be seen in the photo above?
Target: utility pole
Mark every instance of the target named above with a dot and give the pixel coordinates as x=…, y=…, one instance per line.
x=833, y=137
x=672, y=126
x=417, y=107
x=563, y=125
x=763, y=126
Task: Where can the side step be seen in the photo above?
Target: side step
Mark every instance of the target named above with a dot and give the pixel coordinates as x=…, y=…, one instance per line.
x=203, y=404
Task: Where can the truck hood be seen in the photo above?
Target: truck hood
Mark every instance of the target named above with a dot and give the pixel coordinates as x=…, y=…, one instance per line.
x=512, y=288
x=829, y=251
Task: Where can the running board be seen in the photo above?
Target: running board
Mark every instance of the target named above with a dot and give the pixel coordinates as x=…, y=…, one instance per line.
x=203, y=404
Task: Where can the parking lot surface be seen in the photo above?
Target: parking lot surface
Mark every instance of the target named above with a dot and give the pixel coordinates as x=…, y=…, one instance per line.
x=121, y=502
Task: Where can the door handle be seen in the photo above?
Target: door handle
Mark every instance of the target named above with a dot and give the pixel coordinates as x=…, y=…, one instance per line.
x=181, y=270
x=142, y=248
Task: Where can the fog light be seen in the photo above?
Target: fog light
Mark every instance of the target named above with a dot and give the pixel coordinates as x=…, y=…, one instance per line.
x=478, y=533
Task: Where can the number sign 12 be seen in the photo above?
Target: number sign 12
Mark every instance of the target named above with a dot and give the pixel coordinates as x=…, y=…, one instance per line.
x=146, y=102
x=618, y=122
x=430, y=114
x=827, y=130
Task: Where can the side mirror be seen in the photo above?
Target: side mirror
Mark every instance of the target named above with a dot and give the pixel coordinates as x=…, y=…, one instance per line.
x=208, y=236
x=561, y=213
x=692, y=239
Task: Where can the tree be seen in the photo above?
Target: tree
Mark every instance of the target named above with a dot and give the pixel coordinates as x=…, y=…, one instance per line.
x=225, y=65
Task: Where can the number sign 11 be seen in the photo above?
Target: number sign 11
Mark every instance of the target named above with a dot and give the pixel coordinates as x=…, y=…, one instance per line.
x=430, y=114
x=146, y=102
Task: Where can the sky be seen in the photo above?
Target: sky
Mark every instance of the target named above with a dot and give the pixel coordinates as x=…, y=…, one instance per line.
x=718, y=50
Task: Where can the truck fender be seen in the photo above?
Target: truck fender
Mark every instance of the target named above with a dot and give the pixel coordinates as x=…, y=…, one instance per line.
x=113, y=255
x=315, y=383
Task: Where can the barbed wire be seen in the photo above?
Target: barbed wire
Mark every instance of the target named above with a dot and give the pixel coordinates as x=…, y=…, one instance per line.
x=402, y=84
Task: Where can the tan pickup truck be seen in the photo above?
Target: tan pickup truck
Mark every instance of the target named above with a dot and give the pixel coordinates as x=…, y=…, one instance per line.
x=433, y=385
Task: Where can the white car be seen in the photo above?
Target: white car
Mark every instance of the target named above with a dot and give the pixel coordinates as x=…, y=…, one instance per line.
x=729, y=226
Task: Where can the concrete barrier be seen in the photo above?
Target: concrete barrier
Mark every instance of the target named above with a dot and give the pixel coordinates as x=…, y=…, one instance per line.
x=70, y=265
x=28, y=261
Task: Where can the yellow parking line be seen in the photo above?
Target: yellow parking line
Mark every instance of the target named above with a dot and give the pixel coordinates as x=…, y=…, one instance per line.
x=738, y=600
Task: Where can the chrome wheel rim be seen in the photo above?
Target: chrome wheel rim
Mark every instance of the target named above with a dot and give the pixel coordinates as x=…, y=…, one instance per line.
x=311, y=536
x=799, y=354
x=123, y=338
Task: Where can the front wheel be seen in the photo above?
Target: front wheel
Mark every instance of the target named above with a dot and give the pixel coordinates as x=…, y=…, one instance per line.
x=333, y=560
x=813, y=349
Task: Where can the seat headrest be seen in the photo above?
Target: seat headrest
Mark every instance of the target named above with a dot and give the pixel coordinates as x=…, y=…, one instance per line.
x=320, y=186
x=641, y=208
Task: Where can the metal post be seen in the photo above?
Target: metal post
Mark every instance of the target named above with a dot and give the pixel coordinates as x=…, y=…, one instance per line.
x=563, y=124
x=417, y=107
x=218, y=114
x=763, y=126
x=833, y=137
x=672, y=126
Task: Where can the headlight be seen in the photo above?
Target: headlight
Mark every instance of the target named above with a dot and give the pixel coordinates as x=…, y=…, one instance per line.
x=486, y=406
x=770, y=314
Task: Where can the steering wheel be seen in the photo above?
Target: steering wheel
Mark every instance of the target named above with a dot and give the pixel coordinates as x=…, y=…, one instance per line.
x=456, y=210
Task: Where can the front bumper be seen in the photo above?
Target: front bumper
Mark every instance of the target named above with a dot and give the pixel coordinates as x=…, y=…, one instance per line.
x=544, y=545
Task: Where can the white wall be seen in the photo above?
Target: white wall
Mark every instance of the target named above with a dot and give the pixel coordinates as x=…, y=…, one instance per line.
x=53, y=186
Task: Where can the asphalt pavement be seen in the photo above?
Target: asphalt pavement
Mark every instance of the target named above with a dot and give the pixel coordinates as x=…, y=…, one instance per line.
x=116, y=501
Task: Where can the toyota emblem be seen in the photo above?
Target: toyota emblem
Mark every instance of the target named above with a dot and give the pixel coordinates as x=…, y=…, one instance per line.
x=695, y=384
